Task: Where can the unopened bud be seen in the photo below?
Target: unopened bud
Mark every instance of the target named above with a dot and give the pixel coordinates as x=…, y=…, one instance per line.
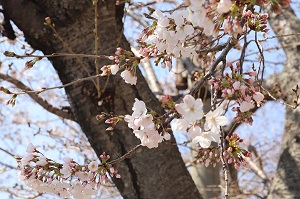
x=9, y=54
x=47, y=21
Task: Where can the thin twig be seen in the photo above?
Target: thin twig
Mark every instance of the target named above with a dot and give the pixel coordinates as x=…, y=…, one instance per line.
x=261, y=52
x=224, y=166
x=95, y=3
x=62, y=55
x=199, y=84
x=27, y=91
x=242, y=57
x=33, y=94
x=6, y=151
x=277, y=36
x=72, y=52
x=126, y=155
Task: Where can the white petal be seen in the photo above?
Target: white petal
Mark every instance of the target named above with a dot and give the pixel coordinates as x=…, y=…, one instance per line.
x=203, y=141
x=214, y=136
x=188, y=29
x=194, y=131
x=219, y=111
x=114, y=69
x=158, y=13
x=221, y=120
x=181, y=108
x=180, y=125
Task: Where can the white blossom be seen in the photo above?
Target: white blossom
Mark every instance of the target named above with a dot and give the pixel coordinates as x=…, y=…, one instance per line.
x=114, y=69
x=191, y=109
x=93, y=166
x=206, y=138
x=214, y=120
x=65, y=171
x=224, y=6
x=42, y=161
x=30, y=148
x=129, y=77
x=26, y=159
x=194, y=131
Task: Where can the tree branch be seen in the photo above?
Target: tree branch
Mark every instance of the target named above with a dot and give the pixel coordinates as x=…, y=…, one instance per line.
x=36, y=98
x=213, y=67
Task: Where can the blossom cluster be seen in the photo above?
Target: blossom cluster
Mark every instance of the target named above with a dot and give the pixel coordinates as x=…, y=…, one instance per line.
x=240, y=87
x=257, y=22
x=191, y=111
x=144, y=127
x=123, y=60
x=234, y=153
x=208, y=156
x=166, y=37
x=65, y=180
x=179, y=33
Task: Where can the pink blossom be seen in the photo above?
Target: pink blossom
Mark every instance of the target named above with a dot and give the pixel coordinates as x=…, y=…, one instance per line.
x=139, y=108
x=93, y=166
x=83, y=176
x=30, y=148
x=65, y=171
x=25, y=160
x=246, y=106
x=180, y=125
x=42, y=161
x=258, y=97
x=236, y=85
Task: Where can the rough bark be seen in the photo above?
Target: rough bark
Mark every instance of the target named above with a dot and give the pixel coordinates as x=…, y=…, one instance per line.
x=286, y=181
x=156, y=173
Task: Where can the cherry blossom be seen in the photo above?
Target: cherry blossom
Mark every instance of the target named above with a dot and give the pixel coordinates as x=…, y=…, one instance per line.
x=68, y=179
x=194, y=131
x=30, y=148
x=143, y=125
x=114, y=69
x=224, y=6
x=258, y=97
x=246, y=106
x=129, y=77
x=180, y=125
x=191, y=109
x=139, y=108
x=172, y=35
x=206, y=138
x=214, y=120
x=93, y=166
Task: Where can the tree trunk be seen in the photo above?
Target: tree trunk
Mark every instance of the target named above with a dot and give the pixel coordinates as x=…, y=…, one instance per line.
x=286, y=181
x=155, y=173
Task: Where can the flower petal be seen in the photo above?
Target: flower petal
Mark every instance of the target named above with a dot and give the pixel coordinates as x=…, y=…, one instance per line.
x=221, y=120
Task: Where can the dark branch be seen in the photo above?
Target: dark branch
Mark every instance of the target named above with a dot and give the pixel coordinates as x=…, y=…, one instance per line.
x=38, y=99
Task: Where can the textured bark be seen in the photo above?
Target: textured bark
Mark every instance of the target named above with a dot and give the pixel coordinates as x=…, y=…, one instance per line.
x=286, y=181
x=156, y=173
